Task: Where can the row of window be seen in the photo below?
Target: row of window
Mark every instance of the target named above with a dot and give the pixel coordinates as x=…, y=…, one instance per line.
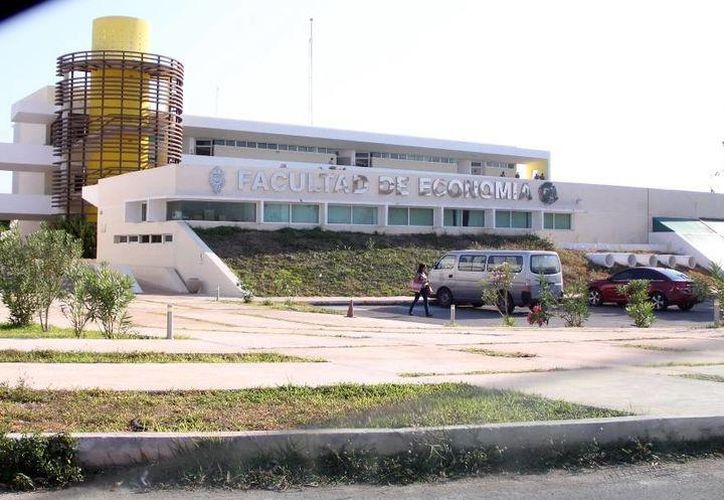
x=143, y=238
x=301, y=213
x=204, y=148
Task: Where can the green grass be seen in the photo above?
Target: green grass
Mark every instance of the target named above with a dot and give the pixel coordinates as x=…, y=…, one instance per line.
x=650, y=347
x=48, y=356
x=34, y=331
x=348, y=405
x=702, y=376
x=499, y=354
x=476, y=372
x=332, y=263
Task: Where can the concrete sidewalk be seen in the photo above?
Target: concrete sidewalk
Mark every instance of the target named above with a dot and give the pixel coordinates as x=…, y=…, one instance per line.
x=654, y=372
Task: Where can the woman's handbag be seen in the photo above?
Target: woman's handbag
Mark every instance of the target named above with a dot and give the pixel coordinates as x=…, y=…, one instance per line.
x=415, y=285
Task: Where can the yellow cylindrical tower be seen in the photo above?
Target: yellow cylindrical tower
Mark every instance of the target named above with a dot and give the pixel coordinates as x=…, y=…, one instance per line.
x=119, y=110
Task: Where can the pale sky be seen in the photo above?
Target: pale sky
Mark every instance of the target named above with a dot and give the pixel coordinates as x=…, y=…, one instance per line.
x=624, y=92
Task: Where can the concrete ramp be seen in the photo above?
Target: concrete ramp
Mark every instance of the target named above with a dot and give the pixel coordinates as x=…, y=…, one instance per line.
x=700, y=238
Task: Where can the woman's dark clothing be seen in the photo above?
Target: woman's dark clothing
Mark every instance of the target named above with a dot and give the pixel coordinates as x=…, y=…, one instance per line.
x=424, y=292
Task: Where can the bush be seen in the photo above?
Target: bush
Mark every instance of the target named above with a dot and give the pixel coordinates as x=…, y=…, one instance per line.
x=639, y=306
x=34, y=461
x=573, y=308
x=496, y=290
x=77, y=304
x=110, y=293
x=33, y=271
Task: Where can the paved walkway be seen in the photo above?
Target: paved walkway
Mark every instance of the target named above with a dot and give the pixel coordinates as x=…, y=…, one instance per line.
x=637, y=370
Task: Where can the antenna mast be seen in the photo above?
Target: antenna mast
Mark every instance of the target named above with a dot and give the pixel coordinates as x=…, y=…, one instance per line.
x=311, y=94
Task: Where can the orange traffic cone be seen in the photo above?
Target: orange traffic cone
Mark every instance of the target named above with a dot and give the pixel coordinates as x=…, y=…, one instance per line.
x=350, y=310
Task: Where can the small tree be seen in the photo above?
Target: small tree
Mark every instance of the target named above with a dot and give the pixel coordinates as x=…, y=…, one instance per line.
x=639, y=306
x=53, y=253
x=17, y=284
x=496, y=290
x=573, y=308
x=110, y=294
x=78, y=305
x=546, y=306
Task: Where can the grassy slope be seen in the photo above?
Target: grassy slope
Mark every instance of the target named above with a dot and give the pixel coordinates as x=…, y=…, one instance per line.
x=353, y=264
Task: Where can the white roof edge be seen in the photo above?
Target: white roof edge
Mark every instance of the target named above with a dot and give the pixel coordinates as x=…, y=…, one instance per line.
x=227, y=124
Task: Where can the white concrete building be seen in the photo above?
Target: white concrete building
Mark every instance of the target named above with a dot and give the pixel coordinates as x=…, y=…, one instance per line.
x=268, y=176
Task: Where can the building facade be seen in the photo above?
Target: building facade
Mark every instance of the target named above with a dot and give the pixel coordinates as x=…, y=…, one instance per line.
x=148, y=189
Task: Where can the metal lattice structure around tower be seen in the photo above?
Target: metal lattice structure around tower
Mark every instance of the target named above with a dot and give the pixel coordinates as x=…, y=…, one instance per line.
x=117, y=112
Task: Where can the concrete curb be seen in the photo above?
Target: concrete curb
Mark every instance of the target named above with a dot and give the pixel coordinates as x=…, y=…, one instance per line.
x=98, y=450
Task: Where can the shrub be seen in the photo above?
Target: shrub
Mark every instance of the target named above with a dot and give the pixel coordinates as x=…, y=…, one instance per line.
x=496, y=290
x=110, y=293
x=77, y=304
x=573, y=307
x=33, y=461
x=33, y=271
x=639, y=306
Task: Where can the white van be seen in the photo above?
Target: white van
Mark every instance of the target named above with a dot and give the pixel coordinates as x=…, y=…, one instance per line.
x=459, y=276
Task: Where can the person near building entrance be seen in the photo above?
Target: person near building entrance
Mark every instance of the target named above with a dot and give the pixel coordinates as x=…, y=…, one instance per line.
x=421, y=285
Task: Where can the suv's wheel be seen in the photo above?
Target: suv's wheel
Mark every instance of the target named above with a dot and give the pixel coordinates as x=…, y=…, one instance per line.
x=686, y=306
x=444, y=297
x=594, y=297
x=659, y=301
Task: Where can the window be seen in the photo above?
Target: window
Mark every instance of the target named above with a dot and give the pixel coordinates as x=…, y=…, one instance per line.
x=472, y=263
x=447, y=262
x=167, y=238
x=276, y=212
x=211, y=210
x=364, y=215
x=545, y=264
x=556, y=221
x=464, y=218
x=284, y=212
x=305, y=214
x=145, y=238
x=144, y=211
x=401, y=216
x=339, y=214
x=156, y=238
x=348, y=214
x=513, y=219
x=515, y=262
x=397, y=216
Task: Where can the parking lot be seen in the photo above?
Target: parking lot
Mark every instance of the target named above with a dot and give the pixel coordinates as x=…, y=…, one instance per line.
x=607, y=316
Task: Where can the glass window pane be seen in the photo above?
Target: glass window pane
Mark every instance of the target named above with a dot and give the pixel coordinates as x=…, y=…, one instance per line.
x=421, y=216
x=305, y=214
x=397, y=216
x=364, y=215
x=547, y=221
x=276, y=212
x=451, y=217
x=473, y=218
x=520, y=219
x=339, y=214
x=562, y=221
x=502, y=218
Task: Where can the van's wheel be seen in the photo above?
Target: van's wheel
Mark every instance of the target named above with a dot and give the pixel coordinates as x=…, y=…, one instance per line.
x=444, y=297
x=501, y=305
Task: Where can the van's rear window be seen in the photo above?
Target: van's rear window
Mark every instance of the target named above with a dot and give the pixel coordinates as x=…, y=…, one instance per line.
x=545, y=264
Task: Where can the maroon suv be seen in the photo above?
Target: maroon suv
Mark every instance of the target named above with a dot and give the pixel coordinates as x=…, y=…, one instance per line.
x=666, y=287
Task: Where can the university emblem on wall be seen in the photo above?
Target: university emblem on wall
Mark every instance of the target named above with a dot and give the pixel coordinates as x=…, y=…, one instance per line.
x=547, y=193
x=216, y=180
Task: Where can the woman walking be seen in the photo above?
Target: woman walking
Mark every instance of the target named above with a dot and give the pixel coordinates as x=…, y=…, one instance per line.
x=422, y=288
